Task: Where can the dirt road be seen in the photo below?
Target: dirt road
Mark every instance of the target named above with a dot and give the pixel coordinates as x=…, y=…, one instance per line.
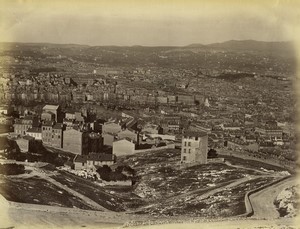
x=262, y=201
x=229, y=224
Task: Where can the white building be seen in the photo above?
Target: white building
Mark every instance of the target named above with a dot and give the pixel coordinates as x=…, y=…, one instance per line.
x=123, y=147
x=194, y=147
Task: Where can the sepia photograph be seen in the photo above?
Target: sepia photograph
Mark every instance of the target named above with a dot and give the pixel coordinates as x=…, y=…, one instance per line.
x=149, y=114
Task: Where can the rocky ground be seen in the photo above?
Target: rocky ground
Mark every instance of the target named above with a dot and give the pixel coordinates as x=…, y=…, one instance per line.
x=162, y=192
x=287, y=201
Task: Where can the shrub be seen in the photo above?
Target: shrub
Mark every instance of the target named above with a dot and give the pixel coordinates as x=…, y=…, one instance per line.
x=212, y=153
x=104, y=172
x=121, y=173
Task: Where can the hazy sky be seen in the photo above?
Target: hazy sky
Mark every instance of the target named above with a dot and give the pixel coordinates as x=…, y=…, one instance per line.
x=133, y=22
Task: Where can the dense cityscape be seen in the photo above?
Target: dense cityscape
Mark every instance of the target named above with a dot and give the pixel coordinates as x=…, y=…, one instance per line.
x=156, y=133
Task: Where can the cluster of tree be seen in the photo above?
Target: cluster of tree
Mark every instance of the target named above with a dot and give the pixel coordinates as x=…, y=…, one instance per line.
x=11, y=169
x=212, y=153
x=121, y=173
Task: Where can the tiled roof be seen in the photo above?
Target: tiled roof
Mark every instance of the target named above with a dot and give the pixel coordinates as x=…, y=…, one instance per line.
x=80, y=158
x=34, y=130
x=28, y=138
x=58, y=126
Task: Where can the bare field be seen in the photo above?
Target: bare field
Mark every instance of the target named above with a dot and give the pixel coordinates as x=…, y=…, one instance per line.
x=114, y=202
x=162, y=188
x=160, y=176
x=34, y=190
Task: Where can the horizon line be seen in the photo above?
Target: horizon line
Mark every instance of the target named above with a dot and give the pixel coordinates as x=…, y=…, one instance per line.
x=80, y=44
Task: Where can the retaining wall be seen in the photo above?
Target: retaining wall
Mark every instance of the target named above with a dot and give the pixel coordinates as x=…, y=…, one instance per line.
x=249, y=209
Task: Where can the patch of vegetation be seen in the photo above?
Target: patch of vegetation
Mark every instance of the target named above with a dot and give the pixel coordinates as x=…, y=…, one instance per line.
x=121, y=173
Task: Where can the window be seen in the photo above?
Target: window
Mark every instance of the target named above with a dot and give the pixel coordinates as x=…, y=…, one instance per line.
x=189, y=150
x=184, y=143
x=189, y=144
x=184, y=150
x=184, y=158
x=196, y=138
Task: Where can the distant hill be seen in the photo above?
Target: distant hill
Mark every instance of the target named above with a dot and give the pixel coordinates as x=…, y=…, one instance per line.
x=252, y=45
x=247, y=53
x=278, y=48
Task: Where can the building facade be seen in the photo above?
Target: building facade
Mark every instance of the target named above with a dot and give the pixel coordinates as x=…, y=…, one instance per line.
x=75, y=141
x=47, y=133
x=123, y=147
x=194, y=147
x=57, y=135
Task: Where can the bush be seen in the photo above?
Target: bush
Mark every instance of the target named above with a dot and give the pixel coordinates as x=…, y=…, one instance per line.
x=11, y=169
x=121, y=173
x=104, y=172
x=212, y=153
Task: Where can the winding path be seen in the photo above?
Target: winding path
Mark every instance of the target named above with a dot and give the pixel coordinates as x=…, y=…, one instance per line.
x=262, y=201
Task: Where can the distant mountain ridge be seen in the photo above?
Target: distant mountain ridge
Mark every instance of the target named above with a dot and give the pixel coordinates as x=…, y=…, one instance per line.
x=274, y=48
x=237, y=44
x=248, y=45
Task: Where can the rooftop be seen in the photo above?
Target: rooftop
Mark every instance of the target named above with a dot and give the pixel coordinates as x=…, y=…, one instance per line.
x=47, y=123
x=50, y=107
x=58, y=126
x=189, y=133
x=34, y=130
x=80, y=158
x=100, y=157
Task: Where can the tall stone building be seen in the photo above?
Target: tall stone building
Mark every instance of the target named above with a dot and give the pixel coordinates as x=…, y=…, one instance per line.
x=194, y=148
x=47, y=132
x=75, y=141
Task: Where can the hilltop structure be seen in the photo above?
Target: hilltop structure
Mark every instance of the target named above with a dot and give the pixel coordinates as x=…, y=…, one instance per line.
x=194, y=148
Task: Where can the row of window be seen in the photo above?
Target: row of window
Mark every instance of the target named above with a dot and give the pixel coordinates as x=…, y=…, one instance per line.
x=188, y=137
x=50, y=135
x=185, y=150
x=46, y=128
x=189, y=144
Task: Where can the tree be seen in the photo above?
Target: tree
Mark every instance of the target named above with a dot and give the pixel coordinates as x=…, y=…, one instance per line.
x=212, y=153
x=104, y=172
